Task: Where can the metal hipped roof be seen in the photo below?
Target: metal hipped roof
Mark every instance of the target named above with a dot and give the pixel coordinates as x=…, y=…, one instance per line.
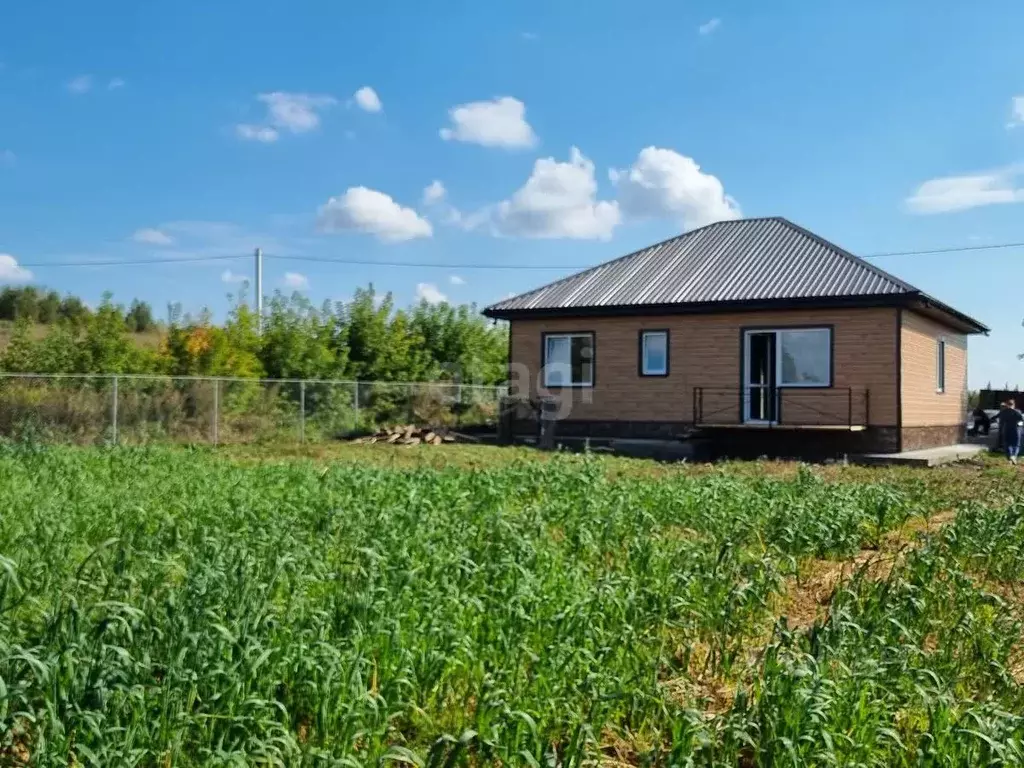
x=756, y=261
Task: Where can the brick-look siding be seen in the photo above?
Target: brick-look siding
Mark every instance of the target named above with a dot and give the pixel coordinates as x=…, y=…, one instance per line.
x=922, y=405
x=705, y=352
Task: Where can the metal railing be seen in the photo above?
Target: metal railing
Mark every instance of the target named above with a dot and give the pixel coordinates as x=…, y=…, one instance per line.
x=134, y=408
x=782, y=406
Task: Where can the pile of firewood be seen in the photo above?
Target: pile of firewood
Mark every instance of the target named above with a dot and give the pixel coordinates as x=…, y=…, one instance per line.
x=409, y=434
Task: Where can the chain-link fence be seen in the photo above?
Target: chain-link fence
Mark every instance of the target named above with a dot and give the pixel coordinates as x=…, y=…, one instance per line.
x=138, y=408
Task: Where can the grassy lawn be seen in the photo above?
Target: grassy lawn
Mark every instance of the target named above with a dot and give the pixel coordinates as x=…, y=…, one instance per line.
x=470, y=605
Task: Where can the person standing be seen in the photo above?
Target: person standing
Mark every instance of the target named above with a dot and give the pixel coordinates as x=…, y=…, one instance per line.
x=1011, y=422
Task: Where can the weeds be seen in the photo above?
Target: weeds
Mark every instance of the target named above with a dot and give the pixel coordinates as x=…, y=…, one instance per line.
x=165, y=607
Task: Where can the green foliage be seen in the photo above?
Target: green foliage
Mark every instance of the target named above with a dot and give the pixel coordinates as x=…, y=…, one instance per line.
x=73, y=310
x=169, y=608
x=139, y=317
x=37, y=305
x=365, y=339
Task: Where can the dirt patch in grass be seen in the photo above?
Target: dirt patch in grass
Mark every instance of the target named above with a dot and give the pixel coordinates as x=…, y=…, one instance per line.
x=15, y=748
x=806, y=597
x=702, y=682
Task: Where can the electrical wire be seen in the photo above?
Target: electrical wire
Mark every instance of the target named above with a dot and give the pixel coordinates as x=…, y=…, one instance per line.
x=443, y=264
x=456, y=265
x=129, y=263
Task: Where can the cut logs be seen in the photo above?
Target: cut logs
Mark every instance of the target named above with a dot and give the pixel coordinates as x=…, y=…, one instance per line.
x=410, y=434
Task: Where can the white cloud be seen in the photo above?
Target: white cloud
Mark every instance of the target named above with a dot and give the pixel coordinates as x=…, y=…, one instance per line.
x=367, y=99
x=664, y=183
x=456, y=280
x=1016, y=112
x=558, y=200
x=115, y=83
x=295, y=112
x=292, y=112
x=151, y=236
x=80, y=84
x=249, y=132
x=228, y=276
x=497, y=123
x=11, y=271
x=7, y=157
x=373, y=212
x=959, y=193
x=429, y=293
x=296, y=281
x=206, y=239
x=434, y=193
x=709, y=26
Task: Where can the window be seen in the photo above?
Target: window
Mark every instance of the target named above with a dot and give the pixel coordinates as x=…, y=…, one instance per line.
x=940, y=366
x=654, y=353
x=806, y=357
x=569, y=360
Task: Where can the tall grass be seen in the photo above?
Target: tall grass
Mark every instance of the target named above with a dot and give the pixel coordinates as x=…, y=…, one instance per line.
x=163, y=607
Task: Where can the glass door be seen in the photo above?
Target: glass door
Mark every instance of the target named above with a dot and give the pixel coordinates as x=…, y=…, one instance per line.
x=759, y=377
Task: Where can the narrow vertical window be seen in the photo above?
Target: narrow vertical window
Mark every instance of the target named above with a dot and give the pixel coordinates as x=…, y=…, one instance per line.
x=654, y=353
x=940, y=366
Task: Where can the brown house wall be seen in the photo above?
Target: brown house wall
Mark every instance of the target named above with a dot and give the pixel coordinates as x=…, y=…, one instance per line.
x=931, y=417
x=705, y=352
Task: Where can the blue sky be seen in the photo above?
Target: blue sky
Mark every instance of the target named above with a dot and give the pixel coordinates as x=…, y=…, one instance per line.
x=561, y=135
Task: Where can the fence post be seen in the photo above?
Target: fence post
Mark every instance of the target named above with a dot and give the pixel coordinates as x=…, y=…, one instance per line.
x=216, y=411
x=849, y=407
x=408, y=397
x=113, y=413
x=302, y=411
x=867, y=407
x=355, y=406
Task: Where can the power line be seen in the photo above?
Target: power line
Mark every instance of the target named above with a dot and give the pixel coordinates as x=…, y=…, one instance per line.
x=954, y=249
x=130, y=263
x=445, y=264
x=455, y=265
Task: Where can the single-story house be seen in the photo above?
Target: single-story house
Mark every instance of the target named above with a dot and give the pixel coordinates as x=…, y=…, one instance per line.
x=755, y=332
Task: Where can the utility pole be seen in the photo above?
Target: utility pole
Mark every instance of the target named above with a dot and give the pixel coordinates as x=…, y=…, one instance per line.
x=259, y=290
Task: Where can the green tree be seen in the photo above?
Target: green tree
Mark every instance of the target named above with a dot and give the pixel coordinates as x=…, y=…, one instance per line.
x=74, y=310
x=106, y=346
x=19, y=356
x=59, y=351
x=49, y=308
x=139, y=317
x=299, y=341
x=368, y=323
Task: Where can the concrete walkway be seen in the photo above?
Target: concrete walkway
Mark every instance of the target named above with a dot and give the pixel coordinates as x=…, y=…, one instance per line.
x=926, y=457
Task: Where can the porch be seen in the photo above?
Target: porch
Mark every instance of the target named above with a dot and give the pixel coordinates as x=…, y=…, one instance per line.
x=827, y=409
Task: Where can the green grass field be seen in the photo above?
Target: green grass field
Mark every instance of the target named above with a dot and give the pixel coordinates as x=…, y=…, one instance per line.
x=470, y=606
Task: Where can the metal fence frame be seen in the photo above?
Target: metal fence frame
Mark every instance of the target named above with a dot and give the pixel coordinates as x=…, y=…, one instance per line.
x=358, y=389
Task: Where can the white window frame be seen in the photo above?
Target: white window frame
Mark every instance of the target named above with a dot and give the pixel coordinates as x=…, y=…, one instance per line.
x=940, y=365
x=645, y=369
x=547, y=337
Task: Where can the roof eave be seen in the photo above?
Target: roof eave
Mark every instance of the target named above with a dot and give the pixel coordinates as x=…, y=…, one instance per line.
x=709, y=307
x=952, y=317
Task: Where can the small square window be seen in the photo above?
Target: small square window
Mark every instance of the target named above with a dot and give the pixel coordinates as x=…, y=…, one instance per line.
x=654, y=353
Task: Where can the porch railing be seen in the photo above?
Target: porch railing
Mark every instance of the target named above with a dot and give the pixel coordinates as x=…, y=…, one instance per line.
x=848, y=407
